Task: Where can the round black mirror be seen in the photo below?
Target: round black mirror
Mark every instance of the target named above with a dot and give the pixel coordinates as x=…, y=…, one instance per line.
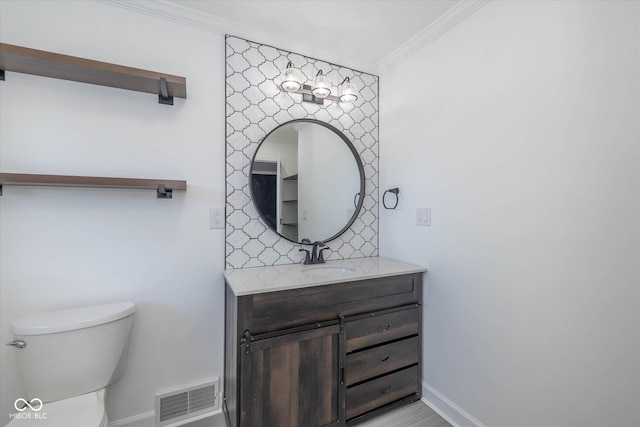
x=307, y=181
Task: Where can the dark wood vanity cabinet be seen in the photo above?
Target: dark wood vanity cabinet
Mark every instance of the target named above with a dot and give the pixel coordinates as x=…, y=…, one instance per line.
x=325, y=355
x=290, y=380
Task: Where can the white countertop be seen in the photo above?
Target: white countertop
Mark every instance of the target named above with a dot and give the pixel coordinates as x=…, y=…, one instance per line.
x=256, y=280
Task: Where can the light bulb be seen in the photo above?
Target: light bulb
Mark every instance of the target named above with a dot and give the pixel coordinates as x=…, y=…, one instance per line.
x=291, y=80
x=321, y=86
x=348, y=91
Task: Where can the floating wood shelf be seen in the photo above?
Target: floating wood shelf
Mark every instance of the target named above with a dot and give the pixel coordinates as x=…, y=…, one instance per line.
x=48, y=64
x=163, y=187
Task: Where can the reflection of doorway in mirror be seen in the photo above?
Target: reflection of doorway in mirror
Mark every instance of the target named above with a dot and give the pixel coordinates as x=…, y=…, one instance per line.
x=264, y=181
x=282, y=153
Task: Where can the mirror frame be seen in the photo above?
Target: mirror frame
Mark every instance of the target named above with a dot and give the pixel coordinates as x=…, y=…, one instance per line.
x=356, y=156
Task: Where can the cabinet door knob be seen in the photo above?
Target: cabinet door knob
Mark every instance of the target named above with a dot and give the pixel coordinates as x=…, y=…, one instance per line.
x=384, y=390
x=384, y=328
x=384, y=358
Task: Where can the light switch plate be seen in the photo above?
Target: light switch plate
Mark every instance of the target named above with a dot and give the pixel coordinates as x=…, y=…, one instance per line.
x=423, y=216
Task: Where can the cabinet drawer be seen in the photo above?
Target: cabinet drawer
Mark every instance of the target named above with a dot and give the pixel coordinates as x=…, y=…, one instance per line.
x=379, y=360
x=272, y=311
x=382, y=328
x=373, y=394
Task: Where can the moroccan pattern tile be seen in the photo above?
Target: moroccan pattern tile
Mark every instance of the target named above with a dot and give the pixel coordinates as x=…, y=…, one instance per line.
x=255, y=105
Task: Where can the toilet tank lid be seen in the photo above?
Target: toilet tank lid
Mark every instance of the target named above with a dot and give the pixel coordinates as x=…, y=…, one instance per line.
x=72, y=319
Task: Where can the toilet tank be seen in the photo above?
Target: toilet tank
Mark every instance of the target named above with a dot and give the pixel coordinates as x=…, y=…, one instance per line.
x=72, y=352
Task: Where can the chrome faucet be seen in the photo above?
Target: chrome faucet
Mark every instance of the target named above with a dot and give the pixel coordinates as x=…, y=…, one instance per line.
x=315, y=255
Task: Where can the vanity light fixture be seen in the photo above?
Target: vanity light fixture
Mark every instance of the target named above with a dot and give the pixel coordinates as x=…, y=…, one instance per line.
x=321, y=86
x=292, y=81
x=291, y=78
x=348, y=91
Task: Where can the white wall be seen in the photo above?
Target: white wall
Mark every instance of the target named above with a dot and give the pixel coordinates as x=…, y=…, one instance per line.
x=71, y=247
x=520, y=128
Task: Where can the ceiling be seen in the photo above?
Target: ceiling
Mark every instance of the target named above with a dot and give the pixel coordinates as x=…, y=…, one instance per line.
x=356, y=31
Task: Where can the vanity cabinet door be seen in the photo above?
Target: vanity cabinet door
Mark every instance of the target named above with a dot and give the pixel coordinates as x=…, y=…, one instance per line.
x=291, y=380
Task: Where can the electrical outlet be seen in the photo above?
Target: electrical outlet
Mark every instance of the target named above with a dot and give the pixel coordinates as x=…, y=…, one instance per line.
x=423, y=216
x=216, y=218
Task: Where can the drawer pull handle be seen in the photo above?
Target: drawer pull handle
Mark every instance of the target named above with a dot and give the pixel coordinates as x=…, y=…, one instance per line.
x=384, y=328
x=383, y=359
x=384, y=390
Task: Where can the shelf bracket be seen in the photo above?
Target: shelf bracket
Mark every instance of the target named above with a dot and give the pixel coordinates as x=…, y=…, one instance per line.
x=163, y=97
x=1, y=74
x=164, y=193
x=0, y=190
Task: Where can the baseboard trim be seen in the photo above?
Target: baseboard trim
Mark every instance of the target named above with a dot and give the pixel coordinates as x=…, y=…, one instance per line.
x=146, y=419
x=447, y=409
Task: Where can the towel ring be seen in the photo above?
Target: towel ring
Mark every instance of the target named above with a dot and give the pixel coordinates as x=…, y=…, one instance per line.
x=394, y=191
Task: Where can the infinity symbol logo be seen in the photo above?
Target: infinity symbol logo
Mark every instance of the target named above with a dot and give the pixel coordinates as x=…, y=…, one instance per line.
x=35, y=404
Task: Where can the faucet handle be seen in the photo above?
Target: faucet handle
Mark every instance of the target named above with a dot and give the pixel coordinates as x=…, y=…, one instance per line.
x=320, y=254
x=307, y=257
x=316, y=255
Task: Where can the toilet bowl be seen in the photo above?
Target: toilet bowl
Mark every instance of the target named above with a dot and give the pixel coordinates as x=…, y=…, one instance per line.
x=86, y=410
x=66, y=359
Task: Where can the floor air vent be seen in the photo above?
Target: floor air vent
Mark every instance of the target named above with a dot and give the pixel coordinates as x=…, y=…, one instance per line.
x=186, y=403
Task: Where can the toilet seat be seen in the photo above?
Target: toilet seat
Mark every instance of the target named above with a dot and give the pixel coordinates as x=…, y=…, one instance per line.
x=86, y=410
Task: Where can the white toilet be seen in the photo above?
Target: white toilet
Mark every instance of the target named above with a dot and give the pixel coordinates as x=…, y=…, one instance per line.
x=66, y=359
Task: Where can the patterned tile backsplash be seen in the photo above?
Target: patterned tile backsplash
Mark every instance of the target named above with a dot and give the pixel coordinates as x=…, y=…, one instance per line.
x=255, y=105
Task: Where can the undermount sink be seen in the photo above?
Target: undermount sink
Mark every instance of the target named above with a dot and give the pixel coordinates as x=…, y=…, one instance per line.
x=329, y=269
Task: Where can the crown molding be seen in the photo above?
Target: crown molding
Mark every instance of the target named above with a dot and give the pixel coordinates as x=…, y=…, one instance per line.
x=173, y=12
x=458, y=13
x=179, y=14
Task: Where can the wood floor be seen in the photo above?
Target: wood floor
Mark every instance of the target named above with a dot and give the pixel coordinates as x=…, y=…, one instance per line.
x=416, y=414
